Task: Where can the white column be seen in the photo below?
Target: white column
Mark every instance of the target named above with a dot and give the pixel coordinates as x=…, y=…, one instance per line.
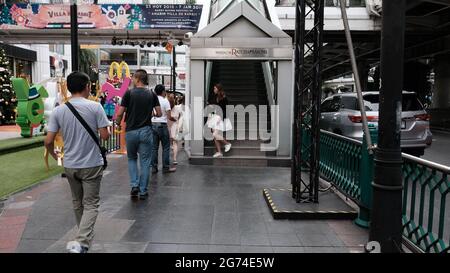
x=285, y=102
x=41, y=68
x=196, y=94
x=68, y=58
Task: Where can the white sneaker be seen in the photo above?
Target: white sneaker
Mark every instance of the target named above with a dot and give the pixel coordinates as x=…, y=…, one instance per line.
x=217, y=155
x=73, y=247
x=227, y=148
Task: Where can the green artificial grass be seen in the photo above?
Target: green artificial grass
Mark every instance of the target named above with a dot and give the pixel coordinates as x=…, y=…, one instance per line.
x=23, y=169
x=20, y=143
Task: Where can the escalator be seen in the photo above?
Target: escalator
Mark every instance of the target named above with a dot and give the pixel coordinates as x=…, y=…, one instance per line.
x=244, y=84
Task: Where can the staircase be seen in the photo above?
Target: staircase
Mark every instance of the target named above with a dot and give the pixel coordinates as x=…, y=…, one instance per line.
x=244, y=84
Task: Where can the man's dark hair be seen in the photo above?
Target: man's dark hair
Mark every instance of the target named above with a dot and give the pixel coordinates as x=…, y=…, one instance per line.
x=141, y=75
x=159, y=89
x=77, y=81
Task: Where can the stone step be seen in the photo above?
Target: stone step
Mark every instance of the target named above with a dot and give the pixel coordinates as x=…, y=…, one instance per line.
x=239, y=143
x=240, y=161
x=240, y=151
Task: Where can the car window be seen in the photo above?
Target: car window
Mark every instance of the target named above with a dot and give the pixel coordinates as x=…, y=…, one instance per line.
x=335, y=104
x=410, y=102
x=349, y=103
x=325, y=107
x=372, y=102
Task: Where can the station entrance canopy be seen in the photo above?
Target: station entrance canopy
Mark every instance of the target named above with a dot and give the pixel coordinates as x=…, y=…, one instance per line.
x=48, y=23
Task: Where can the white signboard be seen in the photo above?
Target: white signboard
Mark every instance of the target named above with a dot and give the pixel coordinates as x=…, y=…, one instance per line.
x=242, y=53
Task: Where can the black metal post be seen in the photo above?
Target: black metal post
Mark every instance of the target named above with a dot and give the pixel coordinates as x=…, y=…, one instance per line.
x=74, y=35
x=298, y=79
x=307, y=92
x=316, y=100
x=174, y=66
x=386, y=225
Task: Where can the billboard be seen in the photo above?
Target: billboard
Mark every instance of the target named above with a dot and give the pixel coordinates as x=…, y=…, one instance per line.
x=114, y=16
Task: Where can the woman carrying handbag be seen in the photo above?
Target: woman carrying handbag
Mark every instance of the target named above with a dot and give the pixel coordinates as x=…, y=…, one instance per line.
x=220, y=123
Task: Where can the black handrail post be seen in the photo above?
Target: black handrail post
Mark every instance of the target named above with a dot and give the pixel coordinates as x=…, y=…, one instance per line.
x=74, y=34
x=386, y=225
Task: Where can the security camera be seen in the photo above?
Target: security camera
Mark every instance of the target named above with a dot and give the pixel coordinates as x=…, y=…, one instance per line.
x=188, y=35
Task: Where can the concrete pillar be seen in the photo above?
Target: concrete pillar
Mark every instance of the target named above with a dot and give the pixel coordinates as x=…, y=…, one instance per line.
x=41, y=68
x=196, y=102
x=441, y=94
x=285, y=102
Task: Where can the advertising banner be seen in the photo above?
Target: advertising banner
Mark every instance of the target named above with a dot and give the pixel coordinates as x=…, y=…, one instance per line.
x=115, y=16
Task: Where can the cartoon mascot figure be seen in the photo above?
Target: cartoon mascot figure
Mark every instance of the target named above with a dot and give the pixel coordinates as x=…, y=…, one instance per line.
x=30, y=107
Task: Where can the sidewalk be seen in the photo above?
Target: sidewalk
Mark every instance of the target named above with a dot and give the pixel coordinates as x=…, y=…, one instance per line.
x=196, y=209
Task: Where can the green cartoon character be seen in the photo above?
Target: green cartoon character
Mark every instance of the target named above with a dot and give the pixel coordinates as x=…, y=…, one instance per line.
x=30, y=107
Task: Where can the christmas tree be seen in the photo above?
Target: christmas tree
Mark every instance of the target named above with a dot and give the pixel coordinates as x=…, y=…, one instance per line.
x=135, y=18
x=8, y=100
x=5, y=15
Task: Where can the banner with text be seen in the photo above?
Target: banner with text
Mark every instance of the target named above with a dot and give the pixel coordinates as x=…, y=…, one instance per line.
x=114, y=16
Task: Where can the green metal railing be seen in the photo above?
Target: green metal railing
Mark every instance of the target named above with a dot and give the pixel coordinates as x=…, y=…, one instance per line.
x=340, y=159
x=347, y=165
x=426, y=219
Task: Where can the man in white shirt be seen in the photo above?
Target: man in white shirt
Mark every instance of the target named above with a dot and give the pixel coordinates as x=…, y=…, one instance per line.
x=161, y=132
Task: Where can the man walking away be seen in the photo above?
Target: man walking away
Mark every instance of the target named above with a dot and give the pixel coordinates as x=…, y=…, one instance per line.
x=83, y=161
x=138, y=104
x=161, y=132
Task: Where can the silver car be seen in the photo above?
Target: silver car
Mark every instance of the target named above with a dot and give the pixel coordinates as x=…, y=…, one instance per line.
x=340, y=114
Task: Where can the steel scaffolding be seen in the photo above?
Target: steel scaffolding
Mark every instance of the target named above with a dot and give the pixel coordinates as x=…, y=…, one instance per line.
x=307, y=98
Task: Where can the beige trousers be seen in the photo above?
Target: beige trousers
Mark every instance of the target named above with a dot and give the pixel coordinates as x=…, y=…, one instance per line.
x=85, y=188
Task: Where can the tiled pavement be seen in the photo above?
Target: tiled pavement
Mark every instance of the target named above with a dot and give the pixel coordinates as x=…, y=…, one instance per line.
x=196, y=209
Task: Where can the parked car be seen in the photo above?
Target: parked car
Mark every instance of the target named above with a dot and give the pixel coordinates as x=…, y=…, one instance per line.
x=340, y=114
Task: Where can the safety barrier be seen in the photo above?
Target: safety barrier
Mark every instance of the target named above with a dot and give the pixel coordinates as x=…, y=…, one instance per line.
x=347, y=164
x=112, y=144
x=426, y=218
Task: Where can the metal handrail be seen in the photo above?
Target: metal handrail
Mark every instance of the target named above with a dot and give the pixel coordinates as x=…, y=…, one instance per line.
x=352, y=140
x=427, y=163
x=346, y=164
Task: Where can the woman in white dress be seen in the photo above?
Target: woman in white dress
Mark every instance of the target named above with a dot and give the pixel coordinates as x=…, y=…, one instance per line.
x=177, y=113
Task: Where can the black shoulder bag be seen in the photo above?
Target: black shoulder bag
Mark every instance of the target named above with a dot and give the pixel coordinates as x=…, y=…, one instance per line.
x=103, y=150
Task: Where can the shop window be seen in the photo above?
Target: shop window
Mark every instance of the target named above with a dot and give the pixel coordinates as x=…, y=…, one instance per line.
x=164, y=59
x=23, y=70
x=148, y=58
x=106, y=58
x=56, y=48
